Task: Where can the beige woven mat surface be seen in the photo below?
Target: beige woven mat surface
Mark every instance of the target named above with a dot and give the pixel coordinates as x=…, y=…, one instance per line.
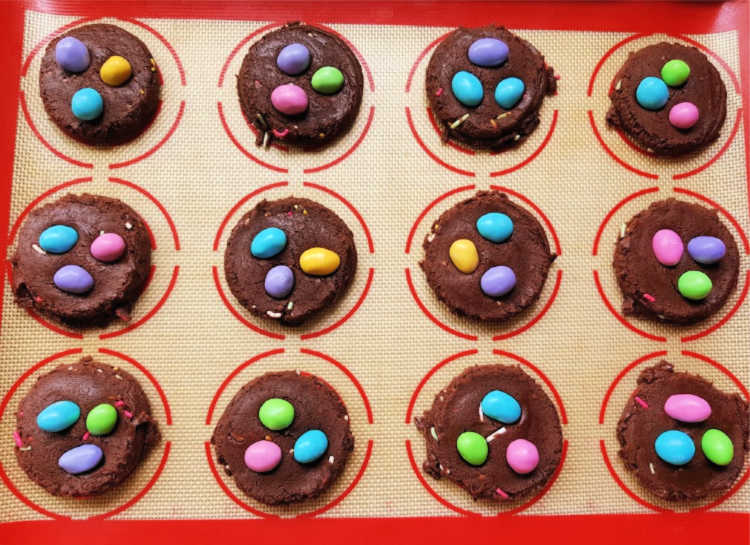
x=193, y=342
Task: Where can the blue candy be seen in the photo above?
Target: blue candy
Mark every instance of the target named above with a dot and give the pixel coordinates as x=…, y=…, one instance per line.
x=495, y=226
x=508, y=92
x=488, y=52
x=467, y=88
x=279, y=281
x=73, y=279
x=58, y=416
x=501, y=406
x=498, y=281
x=652, y=93
x=87, y=104
x=293, y=59
x=80, y=459
x=310, y=446
x=268, y=243
x=58, y=239
x=706, y=250
x=675, y=447
x=72, y=54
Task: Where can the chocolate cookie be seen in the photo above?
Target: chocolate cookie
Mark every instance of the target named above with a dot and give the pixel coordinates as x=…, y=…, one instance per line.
x=288, y=259
x=486, y=86
x=83, y=428
x=284, y=437
x=683, y=438
x=99, y=84
x=494, y=431
x=300, y=84
x=669, y=99
x=676, y=262
x=82, y=259
x=487, y=257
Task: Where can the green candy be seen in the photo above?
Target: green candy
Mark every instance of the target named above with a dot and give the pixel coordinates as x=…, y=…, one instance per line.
x=101, y=419
x=327, y=80
x=276, y=414
x=472, y=447
x=717, y=447
x=675, y=72
x=694, y=285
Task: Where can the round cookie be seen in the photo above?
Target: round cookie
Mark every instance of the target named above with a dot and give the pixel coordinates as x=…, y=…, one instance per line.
x=526, y=252
x=649, y=288
x=116, y=283
x=487, y=125
x=645, y=418
x=87, y=384
x=128, y=108
x=306, y=225
x=316, y=406
x=458, y=409
x=325, y=114
x=652, y=129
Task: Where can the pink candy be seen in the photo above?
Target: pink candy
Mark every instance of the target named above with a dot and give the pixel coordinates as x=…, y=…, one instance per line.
x=687, y=408
x=108, y=247
x=522, y=456
x=262, y=456
x=684, y=115
x=289, y=99
x=668, y=247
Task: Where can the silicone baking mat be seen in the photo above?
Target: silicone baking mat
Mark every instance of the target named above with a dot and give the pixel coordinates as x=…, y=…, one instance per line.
x=388, y=346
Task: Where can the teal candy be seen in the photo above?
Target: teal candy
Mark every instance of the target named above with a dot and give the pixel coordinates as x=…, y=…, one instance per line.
x=495, y=226
x=501, y=406
x=268, y=243
x=58, y=239
x=652, y=93
x=87, y=104
x=467, y=88
x=508, y=92
x=675, y=447
x=310, y=446
x=58, y=416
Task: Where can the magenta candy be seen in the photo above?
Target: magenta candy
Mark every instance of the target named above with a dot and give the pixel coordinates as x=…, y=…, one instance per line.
x=684, y=115
x=262, y=456
x=289, y=99
x=687, y=408
x=108, y=247
x=522, y=456
x=668, y=247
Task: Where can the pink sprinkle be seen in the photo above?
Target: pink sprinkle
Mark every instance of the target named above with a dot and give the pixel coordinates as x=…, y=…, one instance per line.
x=119, y=403
x=439, y=92
x=17, y=439
x=280, y=134
x=557, y=76
x=86, y=436
x=641, y=402
x=648, y=297
x=501, y=493
x=128, y=414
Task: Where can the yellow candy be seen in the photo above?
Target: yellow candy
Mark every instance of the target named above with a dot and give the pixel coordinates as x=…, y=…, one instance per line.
x=115, y=71
x=319, y=261
x=464, y=255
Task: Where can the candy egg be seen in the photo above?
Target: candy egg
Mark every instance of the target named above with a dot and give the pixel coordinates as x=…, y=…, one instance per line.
x=115, y=71
x=717, y=446
x=289, y=99
x=276, y=414
x=667, y=246
x=310, y=446
x=498, y=281
x=327, y=80
x=72, y=55
x=58, y=239
x=108, y=247
x=279, y=281
x=495, y=226
x=467, y=88
x=58, y=416
x=268, y=243
x=464, y=255
x=87, y=104
x=501, y=406
x=683, y=115
x=695, y=285
x=522, y=456
x=675, y=447
x=319, y=261
x=675, y=72
x=652, y=93
x=263, y=456
x=73, y=279
x=488, y=52
x=101, y=419
x=508, y=92
x=80, y=459
x=472, y=447
x=293, y=59
x=706, y=250
x=687, y=408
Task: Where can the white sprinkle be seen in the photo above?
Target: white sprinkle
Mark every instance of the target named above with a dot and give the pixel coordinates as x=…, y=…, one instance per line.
x=433, y=433
x=266, y=138
x=651, y=467
x=650, y=150
x=101, y=233
x=291, y=451
x=442, y=469
x=481, y=414
x=24, y=449
x=38, y=249
x=442, y=398
x=346, y=417
x=494, y=434
x=330, y=459
x=254, y=307
x=430, y=237
x=447, y=471
x=128, y=225
x=118, y=376
x=273, y=314
x=459, y=121
x=619, y=85
x=517, y=137
x=290, y=305
x=502, y=115
x=660, y=316
x=297, y=371
x=99, y=371
x=622, y=231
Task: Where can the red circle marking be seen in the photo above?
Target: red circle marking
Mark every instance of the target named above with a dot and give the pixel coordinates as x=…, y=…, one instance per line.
x=547, y=486
x=609, y=53
x=524, y=198
x=536, y=152
x=731, y=492
x=719, y=153
x=621, y=484
x=241, y=147
x=531, y=323
x=429, y=152
x=612, y=212
x=450, y=143
x=726, y=317
x=613, y=155
x=430, y=207
x=631, y=144
x=348, y=152
x=721, y=368
x=357, y=53
x=721, y=61
x=239, y=46
x=163, y=40
x=421, y=56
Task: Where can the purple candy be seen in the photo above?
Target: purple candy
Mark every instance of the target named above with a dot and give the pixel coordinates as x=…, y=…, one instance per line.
x=293, y=59
x=73, y=279
x=498, y=281
x=488, y=52
x=72, y=55
x=279, y=281
x=706, y=250
x=80, y=459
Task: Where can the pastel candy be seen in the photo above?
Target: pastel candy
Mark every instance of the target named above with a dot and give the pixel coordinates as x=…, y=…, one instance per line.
x=675, y=447
x=108, y=247
x=289, y=99
x=495, y=226
x=293, y=59
x=80, y=459
x=464, y=255
x=319, y=261
x=706, y=250
x=667, y=246
x=717, y=446
x=488, y=52
x=694, y=285
x=472, y=447
x=87, y=104
x=263, y=456
x=268, y=243
x=58, y=416
x=327, y=80
x=687, y=408
x=115, y=71
x=684, y=115
x=276, y=414
x=102, y=419
x=508, y=92
x=498, y=281
x=310, y=446
x=279, y=281
x=675, y=72
x=73, y=279
x=58, y=239
x=522, y=456
x=467, y=88
x=72, y=54
x=501, y=406
x=652, y=93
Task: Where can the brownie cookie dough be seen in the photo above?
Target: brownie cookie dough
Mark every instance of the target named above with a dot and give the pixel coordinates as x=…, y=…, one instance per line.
x=301, y=85
x=288, y=259
x=99, y=84
x=83, y=259
x=676, y=263
x=487, y=257
x=486, y=86
x=683, y=438
x=494, y=431
x=83, y=428
x=669, y=99
x=285, y=437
